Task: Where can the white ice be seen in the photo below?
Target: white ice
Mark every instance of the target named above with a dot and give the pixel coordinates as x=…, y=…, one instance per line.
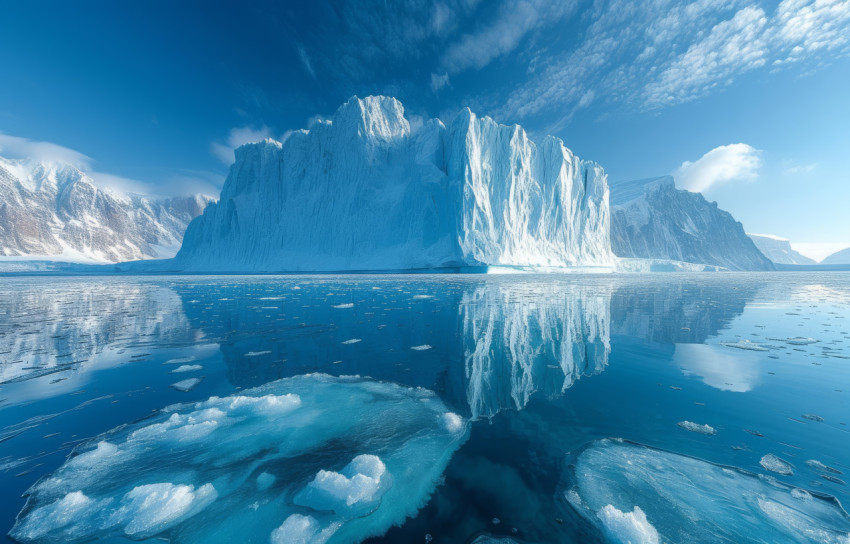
x=313, y=457
x=625, y=488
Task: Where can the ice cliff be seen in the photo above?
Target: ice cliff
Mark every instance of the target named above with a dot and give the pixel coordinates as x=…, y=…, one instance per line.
x=364, y=191
x=651, y=219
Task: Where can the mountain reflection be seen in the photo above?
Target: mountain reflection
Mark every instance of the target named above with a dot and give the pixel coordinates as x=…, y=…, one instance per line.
x=486, y=344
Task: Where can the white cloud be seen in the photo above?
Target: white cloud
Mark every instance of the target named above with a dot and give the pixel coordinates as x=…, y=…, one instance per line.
x=720, y=165
x=438, y=81
x=15, y=147
x=305, y=61
x=477, y=49
x=790, y=168
x=238, y=136
x=659, y=53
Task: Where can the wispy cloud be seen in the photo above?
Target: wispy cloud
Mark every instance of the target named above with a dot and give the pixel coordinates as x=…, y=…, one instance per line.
x=477, y=49
x=659, y=53
x=238, y=136
x=438, y=81
x=791, y=168
x=305, y=61
x=720, y=165
x=16, y=147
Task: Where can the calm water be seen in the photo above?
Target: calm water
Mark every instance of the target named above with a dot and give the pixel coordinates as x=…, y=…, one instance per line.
x=539, y=370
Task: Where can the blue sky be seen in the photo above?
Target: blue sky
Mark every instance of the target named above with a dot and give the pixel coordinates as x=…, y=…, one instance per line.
x=744, y=100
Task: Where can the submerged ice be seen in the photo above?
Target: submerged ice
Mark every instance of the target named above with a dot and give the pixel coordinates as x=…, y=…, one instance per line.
x=635, y=493
x=306, y=459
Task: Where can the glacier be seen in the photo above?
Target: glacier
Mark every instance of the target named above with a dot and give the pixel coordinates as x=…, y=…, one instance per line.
x=365, y=191
x=310, y=458
x=839, y=257
x=636, y=493
x=778, y=250
x=51, y=210
x=651, y=219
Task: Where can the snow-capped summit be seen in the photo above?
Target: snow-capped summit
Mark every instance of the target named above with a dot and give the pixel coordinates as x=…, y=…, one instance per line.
x=54, y=211
x=363, y=192
x=778, y=249
x=651, y=219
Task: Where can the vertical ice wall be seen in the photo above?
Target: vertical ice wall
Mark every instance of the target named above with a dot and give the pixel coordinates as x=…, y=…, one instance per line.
x=363, y=192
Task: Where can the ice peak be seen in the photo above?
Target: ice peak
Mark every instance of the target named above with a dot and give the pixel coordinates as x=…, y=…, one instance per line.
x=375, y=117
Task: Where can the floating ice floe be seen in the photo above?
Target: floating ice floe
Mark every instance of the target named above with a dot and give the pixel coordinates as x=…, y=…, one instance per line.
x=817, y=465
x=636, y=493
x=187, y=384
x=423, y=347
x=744, y=344
x=342, y=306
x=775, y=464
x=706, y=429
x=187, y=368
x=306, y=459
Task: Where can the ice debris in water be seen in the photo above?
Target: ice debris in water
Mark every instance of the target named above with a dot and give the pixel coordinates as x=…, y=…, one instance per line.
x=706, y=429
x=351, y=341
x=812, y=417
x=775, y=464
x=817, y=465
x=744, y=344
x=423, y=347
x=311, y=458
x=632, y=492
x=342, y=306
x=187, y=384
x=628, y=526
x=187, y=368
x=801, y=341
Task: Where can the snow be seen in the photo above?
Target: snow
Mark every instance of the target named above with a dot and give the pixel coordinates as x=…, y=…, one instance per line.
x=364, y=193
x=628, y=527
x=54, y=211
x=306, y=459
x=651, y=219
x=705, y=429
x=778, y=249
x=636, y=493
x=775, y=464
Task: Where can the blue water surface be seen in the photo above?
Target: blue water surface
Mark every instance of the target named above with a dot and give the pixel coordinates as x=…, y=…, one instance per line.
x=539, y=368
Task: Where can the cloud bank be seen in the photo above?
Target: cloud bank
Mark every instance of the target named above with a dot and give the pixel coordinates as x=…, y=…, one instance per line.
x=720, y=165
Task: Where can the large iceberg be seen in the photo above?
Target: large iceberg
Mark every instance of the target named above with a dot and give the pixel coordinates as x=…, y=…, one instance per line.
x=365, y=191
x=778, y=250
x=309, y=459
x=636, y=493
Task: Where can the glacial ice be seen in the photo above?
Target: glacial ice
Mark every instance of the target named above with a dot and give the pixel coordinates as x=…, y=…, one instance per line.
x=636, y=493
x=775, y=464
x=364, y=191
x=305, y=459
x=705, y=429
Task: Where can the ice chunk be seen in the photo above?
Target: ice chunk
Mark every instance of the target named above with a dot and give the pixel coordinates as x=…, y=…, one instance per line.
x=706, y=429
x=313, y=457
x=257, y=353
x=744, y=344
x=355, y=488
x=690, y=500
x=423, y=347
x=775, y=464
x=817, y=465
x=351, y=341
x=298, y=529
x=187, y=368
x=187, y=384
x=343, y=306
x=631, y=527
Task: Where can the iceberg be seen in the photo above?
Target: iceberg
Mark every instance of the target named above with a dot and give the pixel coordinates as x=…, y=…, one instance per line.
x=306, y=459
x=636, y=493
x=365, y=191
x=779, y=250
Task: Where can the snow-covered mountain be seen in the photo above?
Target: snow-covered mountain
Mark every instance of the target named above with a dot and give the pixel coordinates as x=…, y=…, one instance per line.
x=839, y=257
x=364, y=191
x=778, y=249
x=54, y=211
x=651, y=219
